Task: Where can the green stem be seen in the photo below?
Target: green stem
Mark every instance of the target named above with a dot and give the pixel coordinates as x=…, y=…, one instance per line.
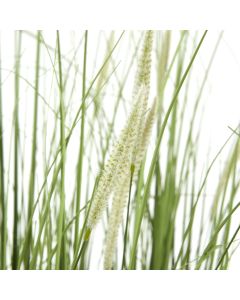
x=81, y=149
x=227, y=248
x=33, y=156
x=3, y=234
x=127, y=220
x=60, y=256
x=15, y=251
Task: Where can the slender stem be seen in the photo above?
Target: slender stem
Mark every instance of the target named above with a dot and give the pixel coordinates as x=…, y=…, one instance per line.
x=127, y=220
x=81, y=149
x=85, y=231
x=15, y=251
x=227, y=248
x=3, y=233
x=34, y=150
x=60, y=256
x=83, y=248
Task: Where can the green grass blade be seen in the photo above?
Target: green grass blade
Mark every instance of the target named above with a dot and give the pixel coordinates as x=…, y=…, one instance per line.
x=33, y=155
x=15, y=251
x=60, y=255
x=81, y=148
x=3, y=211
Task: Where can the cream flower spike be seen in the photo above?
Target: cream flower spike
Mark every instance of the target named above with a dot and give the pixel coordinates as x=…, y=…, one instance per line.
x=143, y=133
x=119, y=161
x=121, y=193
x=114, y=222
x=115, y=176
x=142, y=77
x=143, y=73
x=146, y=135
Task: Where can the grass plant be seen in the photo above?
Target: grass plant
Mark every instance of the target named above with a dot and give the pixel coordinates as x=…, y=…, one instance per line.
x=99, y=161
